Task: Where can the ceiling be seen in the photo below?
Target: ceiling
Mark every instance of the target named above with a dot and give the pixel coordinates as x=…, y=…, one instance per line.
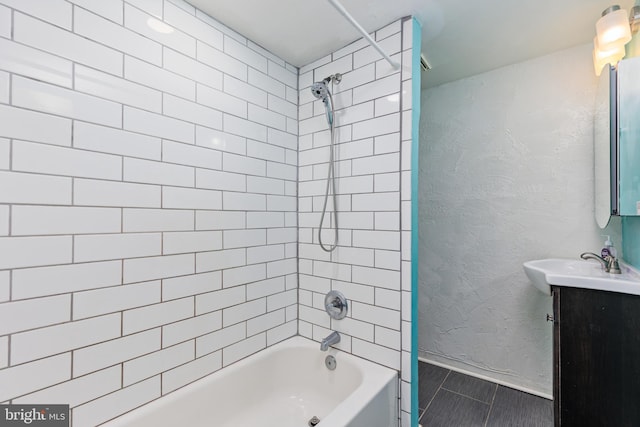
x=460, y=38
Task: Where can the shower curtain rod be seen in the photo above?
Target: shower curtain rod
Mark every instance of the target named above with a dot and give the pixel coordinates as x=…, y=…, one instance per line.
x=366, y=35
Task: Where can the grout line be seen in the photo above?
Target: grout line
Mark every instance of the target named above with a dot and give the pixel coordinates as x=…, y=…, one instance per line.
x=493, y=399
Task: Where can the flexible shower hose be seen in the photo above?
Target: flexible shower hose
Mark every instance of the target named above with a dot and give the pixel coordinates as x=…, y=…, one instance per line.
x=330, y=179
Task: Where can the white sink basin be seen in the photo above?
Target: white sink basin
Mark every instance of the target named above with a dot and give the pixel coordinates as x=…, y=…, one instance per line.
x=580, y=274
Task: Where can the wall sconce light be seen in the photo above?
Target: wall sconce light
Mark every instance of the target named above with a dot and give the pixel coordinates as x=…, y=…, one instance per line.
x=612, y=33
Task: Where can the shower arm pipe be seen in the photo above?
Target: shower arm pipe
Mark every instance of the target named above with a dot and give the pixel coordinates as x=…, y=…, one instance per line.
x=372, y=42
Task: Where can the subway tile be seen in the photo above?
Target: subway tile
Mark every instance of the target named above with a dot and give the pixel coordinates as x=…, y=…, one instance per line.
x=261, y=254
x=282, y=267
x=152, y=7
x=35, y=313
x=282, y=332
x=5, y=287
x=195, y=284
x=31, y=345
x=116, y=36
x=389, y=240
x=214, y=23
x=382, y=355
x=352, y=184
x=314, y=316
x=116, y=89
x=158, y=125
x=242, y=349
x=139, y=22
x=78, y=390
x=389, y=260
x=281, y=235
x=282, y=139
x=270, y=56
x=265, y=151
x=388, y=298
x=112, y=10
x=242, y=275
x=191, y=112
x=33, y=376
x=332, y=271
x=103, y=409
x=384, y=163
x=156, y=315
x=41, y=220
x=282, y=107
x=265, y=219
x=387, y=221
x=265, y=322
x=116, y=246
x=190, y=198
x=221, y=141
x=216, y=340
x=158, y=78
x=390, y=45
x=248, y=92
x=355, y=113
x=91, y=192
x=280, y=73
x=5, y=153
x=4, y=220
x=221, y=101
x=385, y=182
x=36, y=282
x=220, y=180
x=157, y=362
x=218, y=260
x=117, y=298
x=341, y=65
x=219, y=220
x=378, y=88
x=354, y=328
x=115, y=141
x=268, y=118
x=100, y=356
x=387, y=143
x=152, y=172
x=24, y=60
x=242, y=164
x=191, y=241
x=262, y=185
x=281, y=203
x=17, y=123
x=266, y=83
x=141, y=269
x=244, y=202
x=243, y=238
x=65, y=44
x=34, y=251
x=265, y=288
x=278, y=170
x=56, y=12
x=140, y=220
x=378, y=126
x=282, y=299
x=245, y=128
x=376, y=315
x=375, y=202
x=5, y=22
x=184, y=21
x=189, y=372
x=389, y=30
x=244, y=54
x=355, y=256
x=217, y=300
x=191, y=328
x=42, y=158
x=192, y=69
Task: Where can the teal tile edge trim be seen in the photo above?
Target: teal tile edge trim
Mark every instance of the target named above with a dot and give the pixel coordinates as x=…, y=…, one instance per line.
x=415, y=143
x=631, y=240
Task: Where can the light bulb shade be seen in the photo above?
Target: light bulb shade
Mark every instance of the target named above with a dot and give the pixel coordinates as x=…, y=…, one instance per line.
x=604, y=57
x=613, y=29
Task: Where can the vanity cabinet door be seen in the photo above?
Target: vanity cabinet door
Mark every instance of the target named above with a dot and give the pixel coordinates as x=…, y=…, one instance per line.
x=596, y=358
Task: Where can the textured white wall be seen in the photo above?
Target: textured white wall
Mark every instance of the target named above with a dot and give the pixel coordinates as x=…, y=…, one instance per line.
x=506, y=176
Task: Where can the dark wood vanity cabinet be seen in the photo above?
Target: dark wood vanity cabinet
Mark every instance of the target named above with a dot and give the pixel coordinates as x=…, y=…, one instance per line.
x=596, y=342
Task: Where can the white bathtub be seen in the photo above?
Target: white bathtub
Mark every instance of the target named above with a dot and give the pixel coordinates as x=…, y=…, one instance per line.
x=283, y=386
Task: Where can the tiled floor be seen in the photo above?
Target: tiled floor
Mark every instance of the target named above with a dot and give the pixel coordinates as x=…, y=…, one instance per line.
x=451, y=399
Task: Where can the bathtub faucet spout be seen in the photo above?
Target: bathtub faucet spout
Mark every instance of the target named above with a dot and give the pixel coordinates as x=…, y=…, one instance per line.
x=333, y=338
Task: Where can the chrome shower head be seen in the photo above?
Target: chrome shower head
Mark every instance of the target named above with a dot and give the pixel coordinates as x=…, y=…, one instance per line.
x=320, y=90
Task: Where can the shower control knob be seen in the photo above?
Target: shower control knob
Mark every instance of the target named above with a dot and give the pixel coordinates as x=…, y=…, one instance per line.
x=335, y=304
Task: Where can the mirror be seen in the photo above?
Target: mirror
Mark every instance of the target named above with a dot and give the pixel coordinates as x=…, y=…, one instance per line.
x=617, y=142
x=603, y=142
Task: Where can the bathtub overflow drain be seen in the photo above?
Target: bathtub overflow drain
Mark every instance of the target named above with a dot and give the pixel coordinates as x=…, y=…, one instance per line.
x=314, y=421
x=330, y=362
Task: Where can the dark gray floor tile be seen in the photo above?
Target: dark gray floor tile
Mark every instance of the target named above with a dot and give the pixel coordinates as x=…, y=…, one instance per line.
x=449, y=409
x=430, y=378
x=469, y=386
x=514, y=408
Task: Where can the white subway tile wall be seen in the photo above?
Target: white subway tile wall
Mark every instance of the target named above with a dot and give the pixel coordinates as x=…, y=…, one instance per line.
x=148, y=187
x=374, y=202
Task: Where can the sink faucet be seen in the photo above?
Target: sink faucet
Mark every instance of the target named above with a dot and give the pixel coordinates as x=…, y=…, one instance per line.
x=609, y=263
x=333, y=338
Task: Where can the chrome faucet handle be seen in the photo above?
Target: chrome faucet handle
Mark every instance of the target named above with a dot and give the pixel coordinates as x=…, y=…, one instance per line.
x=335, y=304
x=614, y=266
